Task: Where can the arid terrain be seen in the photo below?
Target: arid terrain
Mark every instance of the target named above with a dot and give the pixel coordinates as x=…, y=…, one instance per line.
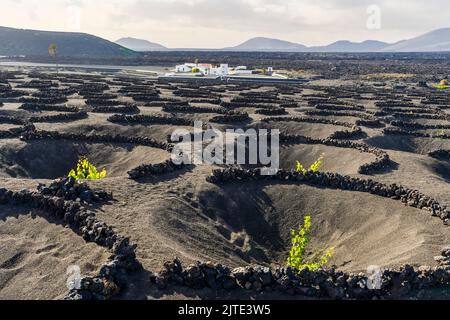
x=387, y=125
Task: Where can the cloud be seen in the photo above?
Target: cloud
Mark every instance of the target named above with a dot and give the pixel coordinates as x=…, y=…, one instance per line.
x=221, y=23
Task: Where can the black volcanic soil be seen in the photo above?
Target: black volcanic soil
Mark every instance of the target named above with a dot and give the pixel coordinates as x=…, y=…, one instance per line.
x=237, y=224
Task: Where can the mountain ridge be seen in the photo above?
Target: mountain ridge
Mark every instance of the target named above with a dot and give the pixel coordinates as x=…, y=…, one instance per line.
x=28, y=42
x=139, y=45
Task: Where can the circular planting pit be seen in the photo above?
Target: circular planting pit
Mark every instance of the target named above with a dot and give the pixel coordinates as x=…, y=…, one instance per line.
x=45, y=159
x=340, y=160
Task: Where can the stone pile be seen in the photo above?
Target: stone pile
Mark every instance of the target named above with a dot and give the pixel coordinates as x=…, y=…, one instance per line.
x=69, y=188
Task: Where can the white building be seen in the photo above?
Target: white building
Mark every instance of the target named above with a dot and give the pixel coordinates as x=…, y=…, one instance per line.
x=203, y=69
x=241, y=70
x=222, y=70
x=183, y=68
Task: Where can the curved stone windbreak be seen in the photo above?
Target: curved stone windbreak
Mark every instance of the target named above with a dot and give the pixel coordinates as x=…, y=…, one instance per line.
x=62, y=117
x=321, y=283
x=150, y=119
x=396, y=131
x=410, y=197
x=47, y=107
x=100, y=96
x=309, y=120
x=355, y=133
x=418, y=126
x=369, y=123
x=95, y=138
x=395, y=110
x=272, y=112
x=217, y=101
x=145, y=97
x=129, y=109
x=407, y=115
x=231, y=117
x=99, y=102
x=163, y=102
x=254, y=100
x=338, y=107
x=149, y=170
x=13, y=133
x=390, y=103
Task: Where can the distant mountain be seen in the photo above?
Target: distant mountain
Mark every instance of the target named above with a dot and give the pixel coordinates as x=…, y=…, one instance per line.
x=437, y=40
x=268, y=44
x=348, y=46
x=15, y=42
x=140, y=45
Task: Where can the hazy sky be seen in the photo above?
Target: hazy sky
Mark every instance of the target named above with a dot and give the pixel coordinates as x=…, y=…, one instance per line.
x=222, y=23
